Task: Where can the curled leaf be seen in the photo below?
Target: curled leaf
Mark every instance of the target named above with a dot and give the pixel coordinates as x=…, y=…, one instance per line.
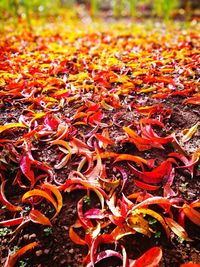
x=192, y=214
x=57, y=194
x=12, y=258
x=39, y=193
x=75, y=237
x=4, y=200
x=104, y=255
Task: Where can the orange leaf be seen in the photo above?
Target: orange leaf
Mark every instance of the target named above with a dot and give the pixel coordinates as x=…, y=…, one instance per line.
x=58, y=196
x=103, y=139
x=11, y=125
x=37, y=217
x=137, y=159
x=151, y=258
x=75, y=238
x=120, y=232
x=192, y=214
x=12, y=258
x=105, y=155
x=192, y=100
x=190, y=264
x=177, y=229
x=39, y=193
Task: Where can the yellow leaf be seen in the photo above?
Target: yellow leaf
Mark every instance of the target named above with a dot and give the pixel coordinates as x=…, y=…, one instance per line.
x=139, y=224
x=190, y=132
x=11, y=125
x=155, y=215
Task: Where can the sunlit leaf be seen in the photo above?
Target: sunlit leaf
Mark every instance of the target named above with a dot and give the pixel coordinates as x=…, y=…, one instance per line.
x=190, y=132
x=139, y=224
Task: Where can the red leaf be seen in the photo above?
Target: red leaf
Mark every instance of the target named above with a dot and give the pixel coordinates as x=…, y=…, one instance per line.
x=12, y=222
x=85, y=222
x=156, y=175
x=25, y=165
x=151, y=258
x=104, y=139
x=4, y=200
x=104, y=255
x=145, y=186
x=190, y=264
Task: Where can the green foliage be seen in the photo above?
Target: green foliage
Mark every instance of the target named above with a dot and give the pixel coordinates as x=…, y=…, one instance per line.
x=152, y=221
x=87, y=200
x=48, y=231
x=164, y=8
x=157, y=234
x=4, y=231
x=159, y=8
x=94, y=7
x=23, y=263
x=15, y=249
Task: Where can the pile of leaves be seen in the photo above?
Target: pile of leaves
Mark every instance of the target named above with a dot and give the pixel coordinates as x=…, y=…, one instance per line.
x=99, y=116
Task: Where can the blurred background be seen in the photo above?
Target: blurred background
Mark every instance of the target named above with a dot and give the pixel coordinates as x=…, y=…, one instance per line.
x=142, y=9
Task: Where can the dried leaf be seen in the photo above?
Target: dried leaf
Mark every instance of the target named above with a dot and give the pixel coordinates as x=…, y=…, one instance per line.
x=190, y=132
x=177, y=229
